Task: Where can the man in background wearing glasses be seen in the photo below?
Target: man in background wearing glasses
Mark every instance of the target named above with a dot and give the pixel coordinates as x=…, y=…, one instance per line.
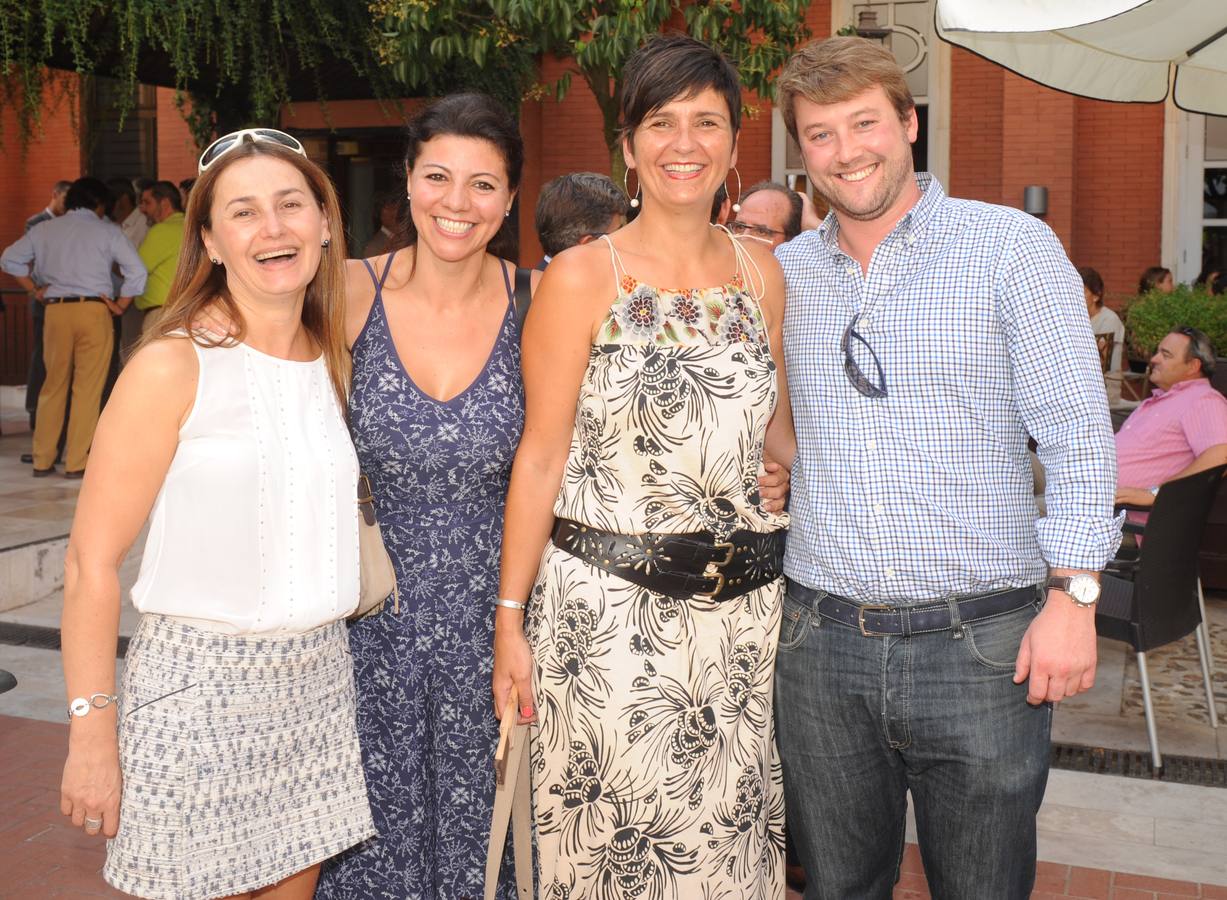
x=930, y=619
x=769, y=212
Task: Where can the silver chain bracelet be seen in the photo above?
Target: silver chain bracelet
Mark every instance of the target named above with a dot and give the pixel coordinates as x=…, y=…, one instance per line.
x=81, y=706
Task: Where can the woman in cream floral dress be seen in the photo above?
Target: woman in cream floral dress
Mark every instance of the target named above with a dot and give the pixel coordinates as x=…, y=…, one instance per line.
x=654, y=596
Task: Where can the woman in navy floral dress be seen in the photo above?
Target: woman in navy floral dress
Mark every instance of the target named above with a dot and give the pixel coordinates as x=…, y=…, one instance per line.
x=436, y=412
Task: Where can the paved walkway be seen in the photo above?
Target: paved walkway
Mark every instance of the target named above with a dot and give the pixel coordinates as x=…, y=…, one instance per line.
x=43, y=856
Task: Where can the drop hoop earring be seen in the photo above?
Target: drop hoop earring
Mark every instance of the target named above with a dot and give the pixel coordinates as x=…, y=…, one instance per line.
x=737, y=202
x=638, y=190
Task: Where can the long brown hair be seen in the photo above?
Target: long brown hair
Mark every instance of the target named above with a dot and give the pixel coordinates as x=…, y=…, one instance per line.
x=199, y=285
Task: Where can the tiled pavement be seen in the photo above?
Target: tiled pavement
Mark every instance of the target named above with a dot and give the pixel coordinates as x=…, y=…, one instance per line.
x=43, y=857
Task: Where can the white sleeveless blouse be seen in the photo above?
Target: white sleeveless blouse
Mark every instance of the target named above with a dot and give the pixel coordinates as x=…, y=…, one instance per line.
x=255, y=529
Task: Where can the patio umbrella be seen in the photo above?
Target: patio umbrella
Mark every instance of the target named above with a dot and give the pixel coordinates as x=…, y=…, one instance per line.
x=1106, y=49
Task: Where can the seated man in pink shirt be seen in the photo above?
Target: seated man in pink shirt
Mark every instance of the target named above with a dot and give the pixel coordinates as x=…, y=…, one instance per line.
x=1180, y=429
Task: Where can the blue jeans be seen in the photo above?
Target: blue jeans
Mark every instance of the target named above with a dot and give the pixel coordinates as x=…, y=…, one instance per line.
x=863, y=720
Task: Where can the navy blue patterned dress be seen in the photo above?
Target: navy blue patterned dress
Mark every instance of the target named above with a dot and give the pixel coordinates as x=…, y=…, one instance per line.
x=439, y=472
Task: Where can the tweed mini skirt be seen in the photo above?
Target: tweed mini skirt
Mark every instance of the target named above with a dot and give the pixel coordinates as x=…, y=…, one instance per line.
x=240, y=760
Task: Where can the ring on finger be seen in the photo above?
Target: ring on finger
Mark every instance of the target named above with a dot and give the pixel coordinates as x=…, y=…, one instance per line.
x=92, y=824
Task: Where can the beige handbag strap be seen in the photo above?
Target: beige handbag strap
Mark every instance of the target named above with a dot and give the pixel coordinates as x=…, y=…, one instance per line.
x=511, y=804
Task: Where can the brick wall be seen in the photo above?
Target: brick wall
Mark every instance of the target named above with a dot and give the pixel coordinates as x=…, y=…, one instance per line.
x=975, y=127
x=1037, y=148
x=177, y=151
x=1119, y=192
x=1101, y=162
x=28, y=173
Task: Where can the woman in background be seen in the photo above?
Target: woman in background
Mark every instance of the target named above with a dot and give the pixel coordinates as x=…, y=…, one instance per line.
x=1156, y=278
x=1108, y=329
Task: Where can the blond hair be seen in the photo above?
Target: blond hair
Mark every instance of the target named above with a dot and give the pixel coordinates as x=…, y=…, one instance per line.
x=199, y=285
x=837, y=69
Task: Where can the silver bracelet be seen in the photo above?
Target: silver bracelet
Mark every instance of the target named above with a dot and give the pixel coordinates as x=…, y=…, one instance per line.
x=81, y=706
x=511, y=604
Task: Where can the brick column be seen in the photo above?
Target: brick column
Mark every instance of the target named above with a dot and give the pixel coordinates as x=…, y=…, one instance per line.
x=1038, y=138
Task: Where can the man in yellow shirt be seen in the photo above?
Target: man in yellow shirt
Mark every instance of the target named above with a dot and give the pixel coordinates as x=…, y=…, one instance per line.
x=160, y=250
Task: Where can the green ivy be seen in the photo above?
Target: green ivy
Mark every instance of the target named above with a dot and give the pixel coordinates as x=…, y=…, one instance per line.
x=1151, y=316
x=233, y=57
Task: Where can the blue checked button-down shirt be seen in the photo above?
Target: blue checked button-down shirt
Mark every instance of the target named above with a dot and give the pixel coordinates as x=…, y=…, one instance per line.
x=72, y=255
x=979, y=322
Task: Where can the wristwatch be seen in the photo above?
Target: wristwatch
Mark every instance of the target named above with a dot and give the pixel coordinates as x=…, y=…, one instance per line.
x=1083, y=589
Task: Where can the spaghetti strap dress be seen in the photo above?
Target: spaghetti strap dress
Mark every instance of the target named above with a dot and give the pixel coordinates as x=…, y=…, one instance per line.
x=439, y=472
x=654, y=761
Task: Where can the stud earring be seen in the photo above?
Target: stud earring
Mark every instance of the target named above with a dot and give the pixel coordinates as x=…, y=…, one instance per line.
x=215, y=260
x=325, y=243
x=408, y=198
x=737, y=202
x=626, y=190
x=507, y=214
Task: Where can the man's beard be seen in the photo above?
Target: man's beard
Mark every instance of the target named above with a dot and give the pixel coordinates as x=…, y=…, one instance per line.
x=892, y=184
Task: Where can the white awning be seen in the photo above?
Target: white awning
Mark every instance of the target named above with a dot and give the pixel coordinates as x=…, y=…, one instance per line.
x=1107, y=49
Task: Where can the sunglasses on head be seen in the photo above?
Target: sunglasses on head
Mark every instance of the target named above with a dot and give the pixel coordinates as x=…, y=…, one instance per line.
x=228, y=142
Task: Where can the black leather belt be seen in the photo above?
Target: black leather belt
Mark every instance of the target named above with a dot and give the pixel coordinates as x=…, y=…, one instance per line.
x=51, y=300
x=679, y=565
x=876, y=620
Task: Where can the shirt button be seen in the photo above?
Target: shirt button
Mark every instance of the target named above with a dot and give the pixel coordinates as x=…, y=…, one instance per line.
x=878, y=508
x=871, y=445
x=889, y=573
x=851, y=270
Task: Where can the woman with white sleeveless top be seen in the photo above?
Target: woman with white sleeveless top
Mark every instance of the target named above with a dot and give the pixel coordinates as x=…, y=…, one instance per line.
x=229, y=763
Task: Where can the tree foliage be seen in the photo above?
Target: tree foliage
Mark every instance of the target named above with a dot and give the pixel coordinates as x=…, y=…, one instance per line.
x=235, y=57
x=596, y=36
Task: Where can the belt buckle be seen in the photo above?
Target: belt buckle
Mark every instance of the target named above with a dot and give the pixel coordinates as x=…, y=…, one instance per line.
x=711, y=569
x=871, y=607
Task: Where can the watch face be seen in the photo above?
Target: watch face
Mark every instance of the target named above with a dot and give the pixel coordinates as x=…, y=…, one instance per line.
x=1084, y=589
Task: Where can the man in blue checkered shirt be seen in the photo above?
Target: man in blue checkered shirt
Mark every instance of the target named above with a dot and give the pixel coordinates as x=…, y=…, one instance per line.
x=931, y=620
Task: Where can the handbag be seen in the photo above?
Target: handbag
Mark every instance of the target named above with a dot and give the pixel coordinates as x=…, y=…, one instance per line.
x=377, y=578
x=511, y=804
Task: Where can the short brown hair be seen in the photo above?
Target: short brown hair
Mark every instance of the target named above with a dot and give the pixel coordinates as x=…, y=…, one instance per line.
x=836, y=69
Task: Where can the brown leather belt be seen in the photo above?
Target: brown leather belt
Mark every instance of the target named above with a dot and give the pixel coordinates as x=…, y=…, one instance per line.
x=694, y=564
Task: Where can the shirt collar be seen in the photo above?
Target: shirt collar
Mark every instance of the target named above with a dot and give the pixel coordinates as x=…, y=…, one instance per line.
x=82, y=211
x=910, y=229
x=1159, y=393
